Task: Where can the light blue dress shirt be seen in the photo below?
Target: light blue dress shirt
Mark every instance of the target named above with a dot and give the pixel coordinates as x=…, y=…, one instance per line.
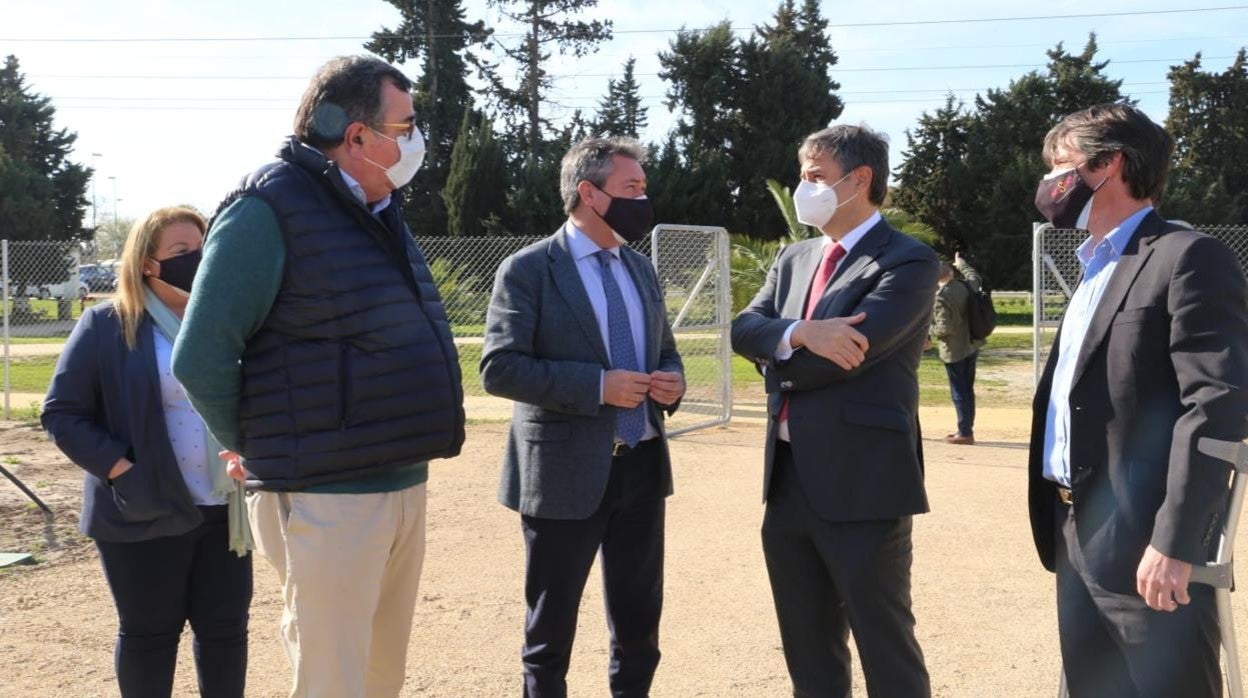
x=186, y=429
x=1099, y=262
x=583, y=250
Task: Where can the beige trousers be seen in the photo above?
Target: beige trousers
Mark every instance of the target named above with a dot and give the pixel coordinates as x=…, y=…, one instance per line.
x=349, y=566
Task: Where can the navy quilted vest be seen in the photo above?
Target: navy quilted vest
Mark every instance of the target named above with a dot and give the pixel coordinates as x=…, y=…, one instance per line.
x=354, y=370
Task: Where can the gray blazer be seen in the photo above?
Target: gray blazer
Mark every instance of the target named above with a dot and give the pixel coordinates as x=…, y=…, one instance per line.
x=855, y=434
x=543, y=350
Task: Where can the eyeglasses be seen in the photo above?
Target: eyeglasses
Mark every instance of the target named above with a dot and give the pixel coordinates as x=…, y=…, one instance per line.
x=409, y=127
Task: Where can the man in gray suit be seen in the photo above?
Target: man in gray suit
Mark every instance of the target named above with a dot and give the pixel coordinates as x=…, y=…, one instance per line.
x=838, y=329
x=577, y=335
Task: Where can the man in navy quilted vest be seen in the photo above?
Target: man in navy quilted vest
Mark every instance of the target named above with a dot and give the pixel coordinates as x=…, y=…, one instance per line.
x=316, y=346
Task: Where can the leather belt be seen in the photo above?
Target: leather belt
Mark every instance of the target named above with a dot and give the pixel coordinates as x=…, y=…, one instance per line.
x=1064, y=494
x=619, y=448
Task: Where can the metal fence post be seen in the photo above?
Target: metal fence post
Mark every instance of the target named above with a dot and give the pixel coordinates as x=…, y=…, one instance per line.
x=1037, y=297
x=4, y=260
x=725, y=316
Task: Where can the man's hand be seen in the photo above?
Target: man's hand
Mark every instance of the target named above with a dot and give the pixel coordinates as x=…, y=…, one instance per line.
x=1162, y=581
x=624, y=388
x=835, y=339
x=666, y=387
x=119, y=468
x=233, y=465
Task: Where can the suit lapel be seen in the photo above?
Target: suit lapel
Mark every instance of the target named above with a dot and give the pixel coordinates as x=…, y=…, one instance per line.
x=1134, y=255
x=854, y=263
x=649, y=304
x=805, y=264
x=568, y=281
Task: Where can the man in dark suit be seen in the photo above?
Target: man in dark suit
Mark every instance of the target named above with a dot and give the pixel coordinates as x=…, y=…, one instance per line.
x=838, y=330
x=1151, y=356
x=577, y=335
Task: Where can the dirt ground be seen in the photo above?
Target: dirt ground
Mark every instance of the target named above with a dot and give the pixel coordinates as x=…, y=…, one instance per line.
x=983, y=603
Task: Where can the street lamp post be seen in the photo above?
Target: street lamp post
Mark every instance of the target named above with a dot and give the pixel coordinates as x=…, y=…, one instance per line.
x=114, y=178
x=93, y=199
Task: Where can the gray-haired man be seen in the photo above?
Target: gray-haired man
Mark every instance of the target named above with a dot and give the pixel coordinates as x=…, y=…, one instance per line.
x=577, y=335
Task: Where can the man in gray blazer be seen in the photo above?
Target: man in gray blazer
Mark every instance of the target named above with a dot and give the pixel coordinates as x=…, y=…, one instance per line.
x=838, y=329
x=577, y=335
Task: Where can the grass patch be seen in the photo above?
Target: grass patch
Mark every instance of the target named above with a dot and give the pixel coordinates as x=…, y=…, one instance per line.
x=31, y=374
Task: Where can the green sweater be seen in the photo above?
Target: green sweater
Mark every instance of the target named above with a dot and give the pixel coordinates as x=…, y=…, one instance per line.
x=235, y=288
x=950, y=331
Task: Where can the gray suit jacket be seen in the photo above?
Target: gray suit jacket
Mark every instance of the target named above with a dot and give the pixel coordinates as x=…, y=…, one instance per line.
x=855, y=434
x=543, y=350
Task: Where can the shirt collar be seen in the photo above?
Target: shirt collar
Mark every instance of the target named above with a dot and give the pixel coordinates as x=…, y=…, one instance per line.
x=1117, y=238
x=854, y=236
x=354, y=186
x=581, y=246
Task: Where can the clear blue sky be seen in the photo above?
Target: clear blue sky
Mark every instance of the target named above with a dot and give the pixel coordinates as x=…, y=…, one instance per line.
x=180, y=121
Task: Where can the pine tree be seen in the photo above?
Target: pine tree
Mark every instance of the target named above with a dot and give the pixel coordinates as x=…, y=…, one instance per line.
x=1209, y=121
x=546, y=24
x=44, y=192
x=435, y=33
x=620, y=112
x=475, y=191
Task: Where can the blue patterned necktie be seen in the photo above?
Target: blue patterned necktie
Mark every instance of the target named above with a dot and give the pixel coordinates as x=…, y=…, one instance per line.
x=630, y=425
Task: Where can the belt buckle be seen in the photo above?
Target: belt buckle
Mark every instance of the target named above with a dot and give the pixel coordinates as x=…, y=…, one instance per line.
x=1064, y=494
x=619, y=448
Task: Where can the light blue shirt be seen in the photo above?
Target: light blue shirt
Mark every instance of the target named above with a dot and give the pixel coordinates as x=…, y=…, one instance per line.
x=354, y=185
x=186, y=429
x=1099, y=261
x=583, y=250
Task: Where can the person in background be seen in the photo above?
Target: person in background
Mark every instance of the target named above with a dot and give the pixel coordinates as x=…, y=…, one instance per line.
x=951, y=334
x=169, y=524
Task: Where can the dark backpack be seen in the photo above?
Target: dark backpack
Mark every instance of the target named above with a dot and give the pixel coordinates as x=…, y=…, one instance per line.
x=981, y=316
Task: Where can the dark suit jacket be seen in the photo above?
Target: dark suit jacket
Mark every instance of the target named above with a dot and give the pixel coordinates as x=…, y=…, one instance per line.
x=855, y=434
x=1164, y=362
x=543, y=350
x=104, y=403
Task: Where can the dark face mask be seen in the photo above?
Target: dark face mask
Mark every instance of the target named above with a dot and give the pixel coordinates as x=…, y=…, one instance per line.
x=629, y=218
x=1061, y=199
x=179, y=271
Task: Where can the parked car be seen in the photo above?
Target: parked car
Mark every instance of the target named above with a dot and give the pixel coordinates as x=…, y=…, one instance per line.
x=97, y=277
x=67, y=289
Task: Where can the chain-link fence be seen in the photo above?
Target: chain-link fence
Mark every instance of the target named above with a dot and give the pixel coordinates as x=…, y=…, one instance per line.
x=692, y=265
x=47, y=289
x=43, y=295
x=1056, y=272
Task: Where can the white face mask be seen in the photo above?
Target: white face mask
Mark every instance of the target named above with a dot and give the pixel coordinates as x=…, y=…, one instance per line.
x=411, y=155
x=816, y=203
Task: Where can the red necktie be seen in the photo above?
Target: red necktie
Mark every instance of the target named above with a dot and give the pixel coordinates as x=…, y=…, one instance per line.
x=831, y=255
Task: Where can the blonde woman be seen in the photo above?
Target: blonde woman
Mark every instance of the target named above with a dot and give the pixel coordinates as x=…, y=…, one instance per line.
x=167, y=521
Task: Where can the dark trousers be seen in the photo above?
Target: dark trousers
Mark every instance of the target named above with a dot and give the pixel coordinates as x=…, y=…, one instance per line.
x=628, y=529
x=159, y=585
x=962, y=388
x=1114, y=645
x=830, y=578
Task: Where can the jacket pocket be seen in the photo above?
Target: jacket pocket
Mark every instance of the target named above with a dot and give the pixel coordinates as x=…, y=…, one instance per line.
x=865, y=414
x=137, y=496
